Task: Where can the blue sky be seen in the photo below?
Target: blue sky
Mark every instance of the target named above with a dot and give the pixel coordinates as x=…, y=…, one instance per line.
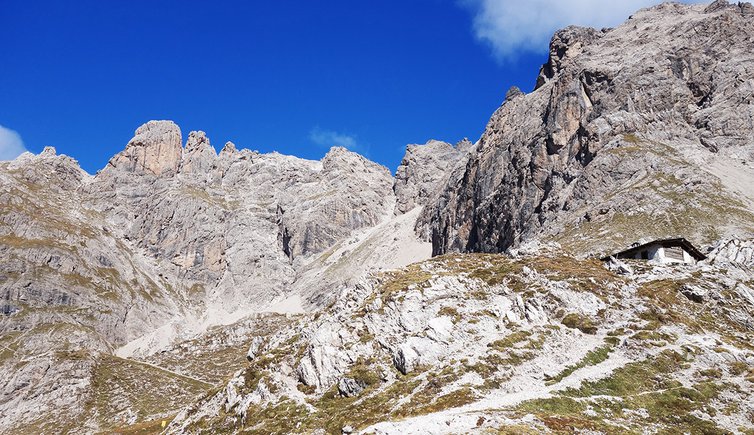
x=288, y=76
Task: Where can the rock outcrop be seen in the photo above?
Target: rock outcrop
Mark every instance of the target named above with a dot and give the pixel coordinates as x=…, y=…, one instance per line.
x=630, y=133
x=422, y=170
x=155, y=149
x=740, y=252
x=198, y=156
x=349, y=193
x=472, y=342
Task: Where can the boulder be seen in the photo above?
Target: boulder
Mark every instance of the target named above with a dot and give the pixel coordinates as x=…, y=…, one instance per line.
x=349, y=387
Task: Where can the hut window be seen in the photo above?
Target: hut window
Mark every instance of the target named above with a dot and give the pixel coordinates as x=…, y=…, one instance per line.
x=675, y=252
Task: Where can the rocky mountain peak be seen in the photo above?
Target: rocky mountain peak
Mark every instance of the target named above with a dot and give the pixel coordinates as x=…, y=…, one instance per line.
x=744, y=8
x=155, y=149
x=627, y=126
x=346, y=192
x=197, y=141
x=229, y=149
x=565, y=44
x=464, y=145
x=55, y=171
x=199, y=155
x=512, y=93
x=48, y=151
x=339, y=159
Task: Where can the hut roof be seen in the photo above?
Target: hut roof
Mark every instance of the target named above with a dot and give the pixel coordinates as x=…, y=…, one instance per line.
x=683, y=243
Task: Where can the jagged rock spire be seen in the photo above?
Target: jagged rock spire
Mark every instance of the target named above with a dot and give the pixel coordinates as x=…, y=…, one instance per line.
x=198, y=156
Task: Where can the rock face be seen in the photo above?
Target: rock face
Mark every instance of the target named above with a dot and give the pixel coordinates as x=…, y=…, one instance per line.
x=238, y=223
x=349, y=193
x=155, y=149
x=646, y=122
x=739, y=252
x=71, y=290
x=422, y=170
x=198, y=156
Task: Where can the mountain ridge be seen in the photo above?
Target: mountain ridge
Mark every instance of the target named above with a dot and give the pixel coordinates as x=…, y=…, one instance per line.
x=461, y=292
x=608, y=105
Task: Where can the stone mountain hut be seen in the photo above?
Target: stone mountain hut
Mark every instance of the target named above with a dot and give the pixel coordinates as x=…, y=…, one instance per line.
x=662, y=251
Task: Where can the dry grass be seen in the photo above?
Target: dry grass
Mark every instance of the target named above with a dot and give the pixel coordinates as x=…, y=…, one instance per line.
x=120, y=384
x=580, y=322
x=451, y=312
x=151, y=427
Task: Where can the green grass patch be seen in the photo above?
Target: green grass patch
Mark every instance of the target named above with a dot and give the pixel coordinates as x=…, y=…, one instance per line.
x=592, y=358
x=646, y=386
x=580, y=322
x=510, y=341
x=634, y=378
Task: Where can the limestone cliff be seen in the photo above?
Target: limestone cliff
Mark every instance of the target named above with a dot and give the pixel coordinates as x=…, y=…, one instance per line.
x=643, y=130
x=423, y=171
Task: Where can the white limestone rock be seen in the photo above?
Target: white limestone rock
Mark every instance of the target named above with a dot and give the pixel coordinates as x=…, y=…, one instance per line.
x=155, y=149
x=422, y=170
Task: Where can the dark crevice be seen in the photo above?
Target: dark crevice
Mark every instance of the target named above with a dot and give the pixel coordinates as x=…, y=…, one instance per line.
x=284, y=236
x=585, y=155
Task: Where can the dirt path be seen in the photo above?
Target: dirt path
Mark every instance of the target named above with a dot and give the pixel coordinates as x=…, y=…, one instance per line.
x=180, y=375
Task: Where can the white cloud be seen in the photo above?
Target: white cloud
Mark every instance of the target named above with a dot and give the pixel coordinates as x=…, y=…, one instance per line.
x=514, y=26
x=330, y=138
x=11, y=145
